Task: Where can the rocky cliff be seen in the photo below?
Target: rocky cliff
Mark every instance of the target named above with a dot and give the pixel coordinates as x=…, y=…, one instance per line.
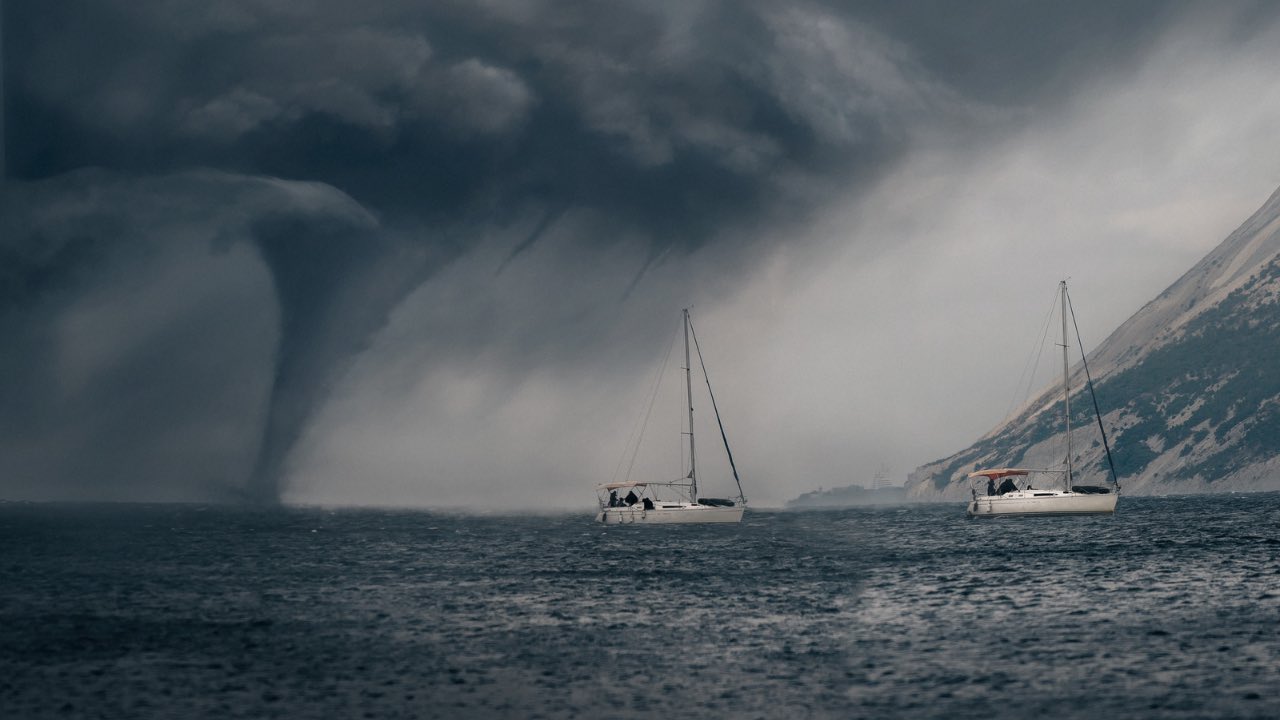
x=1189, y=388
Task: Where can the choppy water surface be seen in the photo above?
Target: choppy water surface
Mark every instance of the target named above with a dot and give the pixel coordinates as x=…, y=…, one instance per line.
x=1169, y=609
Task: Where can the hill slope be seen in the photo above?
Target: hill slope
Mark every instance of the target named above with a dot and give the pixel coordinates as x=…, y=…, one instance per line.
x=1189, y=387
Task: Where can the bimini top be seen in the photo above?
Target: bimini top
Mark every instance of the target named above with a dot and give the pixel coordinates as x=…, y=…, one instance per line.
x=637, y=484
x=997, y=473
x=620, y=486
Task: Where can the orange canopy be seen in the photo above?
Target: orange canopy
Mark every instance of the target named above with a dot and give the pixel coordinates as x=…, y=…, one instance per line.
x=620, y=485
x=997, y=473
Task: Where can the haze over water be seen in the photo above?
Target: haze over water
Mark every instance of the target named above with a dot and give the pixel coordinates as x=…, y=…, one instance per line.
x=1170, y=608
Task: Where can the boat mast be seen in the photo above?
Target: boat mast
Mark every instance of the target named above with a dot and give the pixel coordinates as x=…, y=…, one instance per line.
x=1066, y=387
x=688, y=388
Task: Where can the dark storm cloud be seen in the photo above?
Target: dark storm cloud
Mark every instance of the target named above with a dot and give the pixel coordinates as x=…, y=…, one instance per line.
x=457, y=108
x=673, y=125
x=673, y=117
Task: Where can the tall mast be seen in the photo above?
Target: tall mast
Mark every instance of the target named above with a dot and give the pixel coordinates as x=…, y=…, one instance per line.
x=688, y=389
x=1066, y=387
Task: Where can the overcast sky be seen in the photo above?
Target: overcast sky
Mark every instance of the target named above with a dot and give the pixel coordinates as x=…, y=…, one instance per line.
x=432, y=254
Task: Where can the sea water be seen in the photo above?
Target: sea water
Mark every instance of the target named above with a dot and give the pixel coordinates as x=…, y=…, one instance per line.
x=1168, y=609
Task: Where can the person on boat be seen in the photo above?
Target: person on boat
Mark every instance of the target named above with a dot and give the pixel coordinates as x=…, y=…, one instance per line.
x=648, y=504
x=613, y=498
x=1007, y=486
x=632, y=498
x=991, y=486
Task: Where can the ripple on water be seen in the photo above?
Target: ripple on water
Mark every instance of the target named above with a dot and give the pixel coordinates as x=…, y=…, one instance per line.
x=1167, y=609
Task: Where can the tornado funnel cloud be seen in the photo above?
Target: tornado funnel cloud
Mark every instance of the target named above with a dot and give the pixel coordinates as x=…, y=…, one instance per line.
x=336, y=286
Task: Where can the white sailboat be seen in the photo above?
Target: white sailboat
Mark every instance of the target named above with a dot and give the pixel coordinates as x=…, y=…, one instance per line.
x=1009, y=498
x=675, y=501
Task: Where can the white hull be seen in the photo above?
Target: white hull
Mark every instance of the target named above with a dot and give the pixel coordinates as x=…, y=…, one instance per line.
x=1043, y=502
x=673, y=513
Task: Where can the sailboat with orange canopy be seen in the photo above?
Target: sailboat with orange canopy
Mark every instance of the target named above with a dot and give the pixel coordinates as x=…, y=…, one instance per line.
x=1012, y=491
x=674, y=501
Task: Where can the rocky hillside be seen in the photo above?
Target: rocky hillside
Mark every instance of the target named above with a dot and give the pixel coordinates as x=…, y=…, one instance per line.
x=1189, y=388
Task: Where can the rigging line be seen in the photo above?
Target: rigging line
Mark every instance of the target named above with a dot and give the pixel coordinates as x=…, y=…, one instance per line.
x=657, y=383
x=723, y=437
x=1029, y=370
x=1096, y=412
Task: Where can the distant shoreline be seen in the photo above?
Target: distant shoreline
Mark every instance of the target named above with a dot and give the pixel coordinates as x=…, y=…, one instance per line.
x=850, y=496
